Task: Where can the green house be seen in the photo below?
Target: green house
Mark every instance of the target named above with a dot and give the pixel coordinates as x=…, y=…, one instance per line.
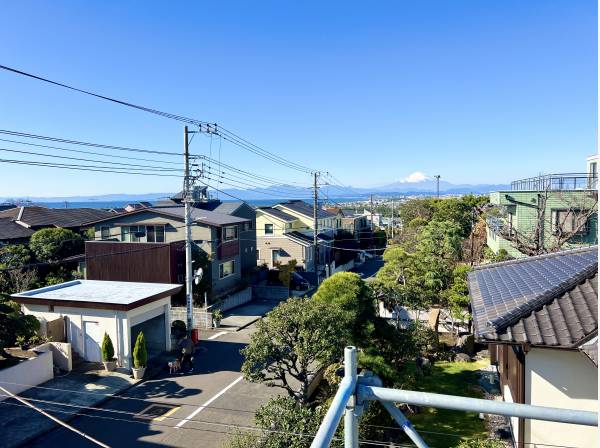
x=545, y=213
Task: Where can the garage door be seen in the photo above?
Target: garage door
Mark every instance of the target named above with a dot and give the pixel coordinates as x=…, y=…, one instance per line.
x=154, y=333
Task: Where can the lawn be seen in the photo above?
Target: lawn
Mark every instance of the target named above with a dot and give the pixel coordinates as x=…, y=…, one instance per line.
x=453, y=378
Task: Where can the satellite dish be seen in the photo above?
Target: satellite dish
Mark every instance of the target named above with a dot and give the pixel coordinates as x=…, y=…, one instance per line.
x=198, y=276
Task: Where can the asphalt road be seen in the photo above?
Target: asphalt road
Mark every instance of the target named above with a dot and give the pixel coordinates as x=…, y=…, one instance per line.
x=198, y=408
x=369, y=268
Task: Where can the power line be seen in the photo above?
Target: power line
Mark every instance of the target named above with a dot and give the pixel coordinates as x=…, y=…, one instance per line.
x=128, y=165
x=224, y=133
x=95, y=145
x=88, y=152
x=81, y=167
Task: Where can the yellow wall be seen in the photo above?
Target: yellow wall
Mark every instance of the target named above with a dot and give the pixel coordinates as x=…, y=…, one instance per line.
x=560, y=379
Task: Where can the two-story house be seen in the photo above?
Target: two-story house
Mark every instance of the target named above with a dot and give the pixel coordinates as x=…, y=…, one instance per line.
x=285, y=232
x=217, y=234
x=545, y=214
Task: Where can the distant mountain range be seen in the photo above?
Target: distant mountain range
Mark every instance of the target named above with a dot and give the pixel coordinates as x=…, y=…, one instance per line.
x=409, y=188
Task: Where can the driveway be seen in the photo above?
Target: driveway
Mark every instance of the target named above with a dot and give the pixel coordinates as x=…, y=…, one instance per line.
x=199, y=409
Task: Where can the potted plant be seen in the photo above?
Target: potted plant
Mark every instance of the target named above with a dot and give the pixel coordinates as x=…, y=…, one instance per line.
x=21, y=341
x=108, y=354
x=217, y=315
x=140, y=357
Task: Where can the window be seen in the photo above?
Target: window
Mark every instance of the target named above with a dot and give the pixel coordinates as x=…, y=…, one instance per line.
x=257, y=254
x=230, y=233
x=135, y=234
x=104, y=232
x=155, y=234
x=247, y=226
x=268, y=229
x=226, y=269
x=569, y=221
x=275, y=254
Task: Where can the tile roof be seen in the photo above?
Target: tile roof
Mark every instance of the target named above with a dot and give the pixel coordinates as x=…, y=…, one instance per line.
x=10, y=230
x=304, y=208
x=36, y=216
x=277, y=213
x=178, y=212
x=546, y=300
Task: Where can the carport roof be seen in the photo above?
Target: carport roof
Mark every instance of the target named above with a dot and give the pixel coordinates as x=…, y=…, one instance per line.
x=101, y=294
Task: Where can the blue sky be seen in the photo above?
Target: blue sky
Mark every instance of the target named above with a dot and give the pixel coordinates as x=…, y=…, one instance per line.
x=478, y=92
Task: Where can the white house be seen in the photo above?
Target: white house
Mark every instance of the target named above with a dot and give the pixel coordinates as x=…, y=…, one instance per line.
x=92, y=307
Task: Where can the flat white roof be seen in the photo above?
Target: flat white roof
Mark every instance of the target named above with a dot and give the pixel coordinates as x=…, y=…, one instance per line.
x=99, y=292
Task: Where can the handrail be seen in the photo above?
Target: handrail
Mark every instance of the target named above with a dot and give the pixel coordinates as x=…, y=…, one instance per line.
x=480, y=405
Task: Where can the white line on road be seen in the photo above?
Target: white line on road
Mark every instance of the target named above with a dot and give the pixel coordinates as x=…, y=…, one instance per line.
x=201, y=408
x=215, y=336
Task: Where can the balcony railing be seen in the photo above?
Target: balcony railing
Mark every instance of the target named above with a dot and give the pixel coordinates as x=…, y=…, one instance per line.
x=565, y=181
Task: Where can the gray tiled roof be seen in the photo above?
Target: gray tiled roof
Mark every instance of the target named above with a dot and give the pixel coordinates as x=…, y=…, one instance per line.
x=36, y=216
x=304, y=209
x=544, y=300
x=10, y=230
x=277, y=213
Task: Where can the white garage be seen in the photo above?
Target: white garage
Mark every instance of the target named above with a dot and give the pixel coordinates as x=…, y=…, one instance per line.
x=93, y=307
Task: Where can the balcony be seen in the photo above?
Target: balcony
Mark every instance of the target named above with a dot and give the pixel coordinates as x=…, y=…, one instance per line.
x=565, y=181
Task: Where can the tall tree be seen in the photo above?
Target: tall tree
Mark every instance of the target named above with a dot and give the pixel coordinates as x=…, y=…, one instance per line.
x=294, y=341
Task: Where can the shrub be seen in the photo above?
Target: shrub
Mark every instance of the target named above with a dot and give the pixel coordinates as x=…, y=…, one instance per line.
x=140, y=355
x=108, y=351
x=481, y=443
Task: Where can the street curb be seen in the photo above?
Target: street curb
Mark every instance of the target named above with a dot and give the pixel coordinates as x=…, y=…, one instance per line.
x=70, y=417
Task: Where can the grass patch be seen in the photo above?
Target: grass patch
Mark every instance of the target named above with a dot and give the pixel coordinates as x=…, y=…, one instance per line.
x=452, y=378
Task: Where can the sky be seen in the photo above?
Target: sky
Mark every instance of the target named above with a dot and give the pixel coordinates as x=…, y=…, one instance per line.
x=374, y=93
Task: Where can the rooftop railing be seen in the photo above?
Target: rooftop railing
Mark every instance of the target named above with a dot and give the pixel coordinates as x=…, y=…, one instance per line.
x=565, y=181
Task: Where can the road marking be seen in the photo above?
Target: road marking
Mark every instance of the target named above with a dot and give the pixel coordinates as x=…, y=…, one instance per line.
x=202, y=407
x=162, y=417
x=215, y=336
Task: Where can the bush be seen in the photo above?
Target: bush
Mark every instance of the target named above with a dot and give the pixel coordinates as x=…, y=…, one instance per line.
x=140, y=355
x=108, y=351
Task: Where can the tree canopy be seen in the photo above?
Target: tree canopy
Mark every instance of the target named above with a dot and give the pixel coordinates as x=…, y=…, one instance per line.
x=54, y=244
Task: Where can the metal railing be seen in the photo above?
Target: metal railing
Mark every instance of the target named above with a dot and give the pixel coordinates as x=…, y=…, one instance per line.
x=356, y=391
x=564, y=181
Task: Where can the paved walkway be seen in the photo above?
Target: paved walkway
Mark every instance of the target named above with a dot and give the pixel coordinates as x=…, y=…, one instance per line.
x=83, y=388
x=245, y=315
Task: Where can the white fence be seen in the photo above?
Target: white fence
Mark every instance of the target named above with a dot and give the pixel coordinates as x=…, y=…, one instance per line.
x=27, y=373
x=62, y=355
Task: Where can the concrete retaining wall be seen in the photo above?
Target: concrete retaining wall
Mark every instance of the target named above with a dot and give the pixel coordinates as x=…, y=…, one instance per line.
x=28, y=373
x=237, y=299
x=62, y=355
x=202, y=318
x=272, y=293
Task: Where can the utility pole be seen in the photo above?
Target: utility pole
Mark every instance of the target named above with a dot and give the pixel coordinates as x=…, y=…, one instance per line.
x=393, y=219
x=315, y=225
x=372, y=226
x=437, y=178
x=187, y=200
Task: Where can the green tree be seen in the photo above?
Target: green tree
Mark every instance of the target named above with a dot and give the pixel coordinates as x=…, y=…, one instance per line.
x=295, y=340
x=14, y=256
x=350, y=293
x=108, y=351
x=140, y=354
x=14, y=323
x=54, y=244
x=457, y=295
x=285, y=424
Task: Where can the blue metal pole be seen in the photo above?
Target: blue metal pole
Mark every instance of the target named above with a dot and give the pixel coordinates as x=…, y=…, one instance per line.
x=405, y=424
x=427, y=399
x=350, y=416
x=336, y=410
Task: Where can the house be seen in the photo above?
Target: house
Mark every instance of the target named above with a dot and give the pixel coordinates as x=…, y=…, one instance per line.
x=33, y=217
x=240, y=209
x=285, y=232
x=539, y=317
x=217, y=234
x=120, y=309
x=545, y=214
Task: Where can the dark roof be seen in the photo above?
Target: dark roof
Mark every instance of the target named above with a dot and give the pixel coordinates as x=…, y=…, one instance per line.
x=226, y=208
x=299, y=238
x=304, y=208
x=548, y=300
x=36, y=216
x=178, y=212
x=6, y=206
x=277, y=213
x=10, y=230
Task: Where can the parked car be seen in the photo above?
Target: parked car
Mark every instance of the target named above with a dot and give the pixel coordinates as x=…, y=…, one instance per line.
x=299, y=283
